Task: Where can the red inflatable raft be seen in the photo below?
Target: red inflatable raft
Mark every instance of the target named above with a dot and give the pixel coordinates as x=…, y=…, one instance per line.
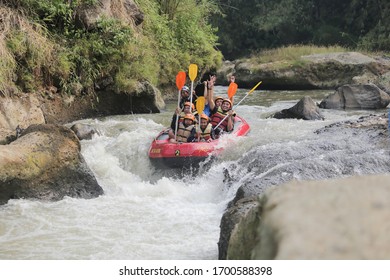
x=164, y=154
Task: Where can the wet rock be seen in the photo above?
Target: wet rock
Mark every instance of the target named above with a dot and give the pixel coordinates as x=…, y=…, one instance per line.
x=305, y=109
x=339, y=150
x=367, y=96
x=145, y=99
x=45, y=163
x=83, y=131
x=333, y=219
x=229, y=230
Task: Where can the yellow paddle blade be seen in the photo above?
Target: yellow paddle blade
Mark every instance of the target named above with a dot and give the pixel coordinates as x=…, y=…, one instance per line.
x=253, y=89
x=193, y=71
x=180, y=79
x=232, y=89
x=200, y=103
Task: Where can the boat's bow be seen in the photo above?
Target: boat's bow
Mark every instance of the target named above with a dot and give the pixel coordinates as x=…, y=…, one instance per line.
x=163, y=153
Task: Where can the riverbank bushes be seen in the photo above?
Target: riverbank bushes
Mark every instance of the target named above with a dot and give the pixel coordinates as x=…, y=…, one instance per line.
x=44, y=46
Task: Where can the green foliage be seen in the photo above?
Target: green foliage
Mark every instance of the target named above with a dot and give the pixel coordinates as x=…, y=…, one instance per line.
x=7, y=70
x=27, y=50
x=181, y=35
x=256, y=24
x=50, y=49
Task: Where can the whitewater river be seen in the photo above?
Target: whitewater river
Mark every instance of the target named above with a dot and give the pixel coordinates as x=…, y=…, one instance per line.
x=148, y=214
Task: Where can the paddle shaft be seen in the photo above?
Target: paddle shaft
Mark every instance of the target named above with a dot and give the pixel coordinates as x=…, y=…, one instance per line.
x=177, y=116
x=192, y=89
x=180, y=81
x=235, y=106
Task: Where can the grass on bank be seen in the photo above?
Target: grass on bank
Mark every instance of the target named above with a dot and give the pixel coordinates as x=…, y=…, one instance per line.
x=291, y=55
x=285, y=57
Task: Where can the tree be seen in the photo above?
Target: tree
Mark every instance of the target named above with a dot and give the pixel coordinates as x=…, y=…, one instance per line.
x=256, y=24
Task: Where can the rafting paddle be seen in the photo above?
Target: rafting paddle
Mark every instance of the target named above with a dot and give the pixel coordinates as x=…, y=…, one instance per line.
x=235, y=106
x=180, y=81
x=232, y=90
x=200, y=103
x=192, y=72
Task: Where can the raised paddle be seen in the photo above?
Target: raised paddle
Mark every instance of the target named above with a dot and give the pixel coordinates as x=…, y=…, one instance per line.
x=232, y=90
x=200, y=103
x=180, y=81
x=235, y=106
x=192, y=72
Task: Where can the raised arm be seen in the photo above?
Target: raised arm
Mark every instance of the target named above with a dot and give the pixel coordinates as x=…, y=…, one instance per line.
x=210, y=91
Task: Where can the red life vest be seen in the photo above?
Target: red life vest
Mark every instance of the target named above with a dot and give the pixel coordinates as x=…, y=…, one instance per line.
x=217, y=117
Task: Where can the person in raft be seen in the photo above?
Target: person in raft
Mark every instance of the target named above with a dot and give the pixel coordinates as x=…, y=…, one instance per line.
x=184, y=96
x=204, y=132
x=186, y=130
x=226, y=114
x=188, y=108
x=205, y=86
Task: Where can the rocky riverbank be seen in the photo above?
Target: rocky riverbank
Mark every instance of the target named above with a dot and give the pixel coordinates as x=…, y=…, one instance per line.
x=316, y=220
x=45, y=162
x=273, y=218
x=319, y=71
x=331, y=212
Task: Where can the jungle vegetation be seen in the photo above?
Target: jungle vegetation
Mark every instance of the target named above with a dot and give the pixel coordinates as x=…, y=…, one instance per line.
x=42, y=45
x=253, y=25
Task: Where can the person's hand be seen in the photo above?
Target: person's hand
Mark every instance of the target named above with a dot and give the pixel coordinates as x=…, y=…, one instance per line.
x=177, y=111
x=211, y=81
x=210, y=85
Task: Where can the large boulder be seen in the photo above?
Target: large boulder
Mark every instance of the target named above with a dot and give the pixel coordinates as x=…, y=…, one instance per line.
x=305, y=109
x=319, y=71
x=367, y=96
x=19, y=112
x=346, y=218
x=225, y=72
x=83, y=131
x=237, y=242
x=145, y=99
x=341, y=149
x=45, y=163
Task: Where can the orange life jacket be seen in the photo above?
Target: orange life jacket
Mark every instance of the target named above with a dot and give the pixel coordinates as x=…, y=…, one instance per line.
x=206, y=133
